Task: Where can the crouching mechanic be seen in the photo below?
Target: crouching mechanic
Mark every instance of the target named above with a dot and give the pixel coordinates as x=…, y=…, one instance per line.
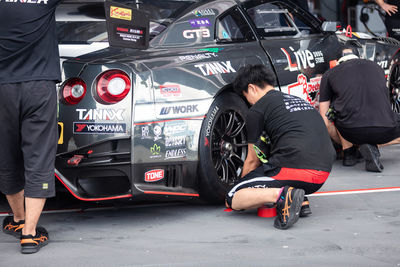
x=301, y=154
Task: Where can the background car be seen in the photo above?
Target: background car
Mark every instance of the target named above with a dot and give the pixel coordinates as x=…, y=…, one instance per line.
x=164, y=122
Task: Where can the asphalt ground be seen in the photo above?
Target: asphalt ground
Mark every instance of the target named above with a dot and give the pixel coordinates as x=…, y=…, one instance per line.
x=350, y=226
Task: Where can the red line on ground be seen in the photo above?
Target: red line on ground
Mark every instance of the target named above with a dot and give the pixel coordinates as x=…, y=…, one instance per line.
x=91, y=199
x=356, y=190
x=171, y=193
x=180, y=119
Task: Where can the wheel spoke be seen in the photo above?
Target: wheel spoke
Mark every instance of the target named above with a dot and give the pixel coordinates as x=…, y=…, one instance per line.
x=235, y=157
x=238, y=129
x=225, y=171
x=233, y=170
x=230, y=124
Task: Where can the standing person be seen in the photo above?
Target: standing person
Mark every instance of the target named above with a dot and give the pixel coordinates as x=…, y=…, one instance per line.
x=392, y=18
x=355, y=92
x=29, y=69
x=301, y=154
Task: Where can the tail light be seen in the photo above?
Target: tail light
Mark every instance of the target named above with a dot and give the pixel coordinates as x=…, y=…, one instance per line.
x=112, y=86
x=73, y=91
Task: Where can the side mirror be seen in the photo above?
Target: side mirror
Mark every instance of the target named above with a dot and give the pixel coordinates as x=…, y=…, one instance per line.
x=329, y=26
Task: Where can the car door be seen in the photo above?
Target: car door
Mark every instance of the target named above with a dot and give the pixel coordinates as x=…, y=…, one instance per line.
x=300, y=52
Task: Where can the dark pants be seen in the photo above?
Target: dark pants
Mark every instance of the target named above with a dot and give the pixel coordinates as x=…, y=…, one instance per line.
x=28, y=142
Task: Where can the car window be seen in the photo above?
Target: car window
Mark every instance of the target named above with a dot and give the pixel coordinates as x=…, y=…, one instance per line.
x=232, y=27
x=85, y=22
x=279, y=19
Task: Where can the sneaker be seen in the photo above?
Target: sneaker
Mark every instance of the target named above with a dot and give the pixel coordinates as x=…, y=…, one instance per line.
x=32, y=244
x=351, y=156
x=12, y=228
x=288, y=207
x=305, y=208
x=371, y=155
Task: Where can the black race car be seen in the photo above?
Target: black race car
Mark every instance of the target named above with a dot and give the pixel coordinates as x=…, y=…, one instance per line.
x=162, y=120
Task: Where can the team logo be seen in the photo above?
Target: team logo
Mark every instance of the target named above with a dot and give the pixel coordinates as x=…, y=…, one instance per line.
x=99, y=128
x=145, y=132
x=157, y=132
x=304, y=59
x=204, y=12
x=179, y=109
x=101, y=114
x=196, y=33
x=203, y=22
x=175, y=141
x=154, y=176
x=175, y=153
x=120, y=13
x=170, y=90
x=215, y=68
x=155, y=151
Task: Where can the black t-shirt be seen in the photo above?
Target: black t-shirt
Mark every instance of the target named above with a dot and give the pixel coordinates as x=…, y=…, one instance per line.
x=298, y=134
x=28, y=45
x=357, y=89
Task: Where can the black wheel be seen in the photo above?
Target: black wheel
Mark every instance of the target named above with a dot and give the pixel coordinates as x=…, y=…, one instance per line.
x=223, y=146
x=394, y=84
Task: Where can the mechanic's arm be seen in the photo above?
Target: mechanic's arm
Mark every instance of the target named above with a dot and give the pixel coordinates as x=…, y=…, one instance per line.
x=389, y=9
x=323, y=109
x=251, y=162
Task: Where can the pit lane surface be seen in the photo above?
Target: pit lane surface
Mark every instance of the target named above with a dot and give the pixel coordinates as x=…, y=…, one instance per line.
x=347, y=228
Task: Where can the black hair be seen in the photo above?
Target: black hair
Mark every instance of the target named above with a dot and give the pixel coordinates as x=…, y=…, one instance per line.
x=341, y=54
x=259, y=75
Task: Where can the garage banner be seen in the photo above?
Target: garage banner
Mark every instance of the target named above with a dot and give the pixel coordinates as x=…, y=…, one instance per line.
x=126, y=26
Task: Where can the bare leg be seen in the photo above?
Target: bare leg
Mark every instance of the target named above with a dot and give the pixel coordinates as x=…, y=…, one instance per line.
x=394, y=142
x=345, y=144
x=249, y=198
x=333, y=132
x=16, y=202
x=34, y=207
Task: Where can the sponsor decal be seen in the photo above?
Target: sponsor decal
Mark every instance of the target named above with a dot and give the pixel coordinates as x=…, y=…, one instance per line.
x=196, y=33
x=206, y=142
x=99, y=128
x=157, y=132
x=175, y=153
x=153, y=176
x=203, y=22
x=383, y=64
x=120, y=13
x=179, y=109
x=215, y=68
x=211, y=119
x=204, y=12
x=27, y=1
x=170, y=90
x=199, y=56
x=304, y=59
x=175, y=128
x=61, y=133
x=155, y=151
x=101, y=114
x=145, y=132
x=211, y=49
x=175, y=141
x=309, y=89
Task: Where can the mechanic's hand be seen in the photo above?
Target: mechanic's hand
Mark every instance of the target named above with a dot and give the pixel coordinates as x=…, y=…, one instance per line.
x=389, y=9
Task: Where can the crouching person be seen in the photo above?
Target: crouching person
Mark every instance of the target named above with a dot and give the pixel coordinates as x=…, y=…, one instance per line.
x=301, y=152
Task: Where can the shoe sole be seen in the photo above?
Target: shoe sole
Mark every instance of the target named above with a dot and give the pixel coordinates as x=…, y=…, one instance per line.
x=371, y=156
x=13, y=233
x=305, y=211
x=294, y=209
x=33, y=249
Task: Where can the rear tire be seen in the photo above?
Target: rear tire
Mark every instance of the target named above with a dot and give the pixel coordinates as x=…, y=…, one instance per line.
x=222, y=147
x=394, y=84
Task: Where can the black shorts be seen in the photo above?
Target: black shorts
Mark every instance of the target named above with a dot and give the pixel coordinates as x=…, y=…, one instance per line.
x=309, y=180
x=370, y=135
x=28, y=142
